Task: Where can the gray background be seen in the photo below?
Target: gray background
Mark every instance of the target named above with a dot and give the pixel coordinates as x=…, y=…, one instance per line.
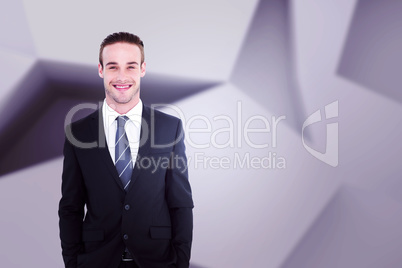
x=273, y=58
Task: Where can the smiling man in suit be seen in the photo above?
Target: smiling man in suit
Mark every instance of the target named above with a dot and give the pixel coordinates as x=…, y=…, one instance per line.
x=126, y=164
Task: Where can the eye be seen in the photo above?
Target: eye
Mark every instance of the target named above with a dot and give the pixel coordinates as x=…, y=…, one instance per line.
x=131, y=67
x=112, y=67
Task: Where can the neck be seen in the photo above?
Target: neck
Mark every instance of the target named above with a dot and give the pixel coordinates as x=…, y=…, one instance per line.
x=122, y=108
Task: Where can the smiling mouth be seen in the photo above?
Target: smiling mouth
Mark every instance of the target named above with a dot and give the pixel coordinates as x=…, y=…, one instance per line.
x=122, y=87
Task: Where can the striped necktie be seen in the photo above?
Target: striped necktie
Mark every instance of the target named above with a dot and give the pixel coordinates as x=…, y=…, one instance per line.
x=123, y=161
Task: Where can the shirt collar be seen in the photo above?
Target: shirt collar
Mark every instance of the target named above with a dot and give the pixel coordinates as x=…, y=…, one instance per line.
x=110, y=115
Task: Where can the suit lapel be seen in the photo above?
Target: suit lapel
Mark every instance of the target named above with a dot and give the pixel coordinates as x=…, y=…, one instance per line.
x=98, y=132
x=145, y=144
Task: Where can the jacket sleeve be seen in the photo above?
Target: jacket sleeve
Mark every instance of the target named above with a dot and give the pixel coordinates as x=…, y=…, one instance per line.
x=180, y=202
x=71, y=207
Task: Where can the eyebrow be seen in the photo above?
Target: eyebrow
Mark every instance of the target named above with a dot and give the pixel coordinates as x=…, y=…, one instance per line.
x=115, y=63
x=111, y=63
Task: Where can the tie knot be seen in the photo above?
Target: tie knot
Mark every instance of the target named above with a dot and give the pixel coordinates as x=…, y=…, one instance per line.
x=121, y=121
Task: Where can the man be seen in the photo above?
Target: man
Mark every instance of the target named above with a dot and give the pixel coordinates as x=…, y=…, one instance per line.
x=126, y=164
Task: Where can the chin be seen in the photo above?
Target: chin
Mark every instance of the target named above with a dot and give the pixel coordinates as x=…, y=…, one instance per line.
x=122, y=101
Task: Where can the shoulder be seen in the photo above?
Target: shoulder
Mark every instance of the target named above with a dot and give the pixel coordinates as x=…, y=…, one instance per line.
x=162, y=124
x=81, y=128
x=84, y=121
x=159, y=116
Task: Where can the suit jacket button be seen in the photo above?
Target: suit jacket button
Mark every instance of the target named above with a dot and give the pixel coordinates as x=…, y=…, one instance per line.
x=127, y=207
x=125, y=237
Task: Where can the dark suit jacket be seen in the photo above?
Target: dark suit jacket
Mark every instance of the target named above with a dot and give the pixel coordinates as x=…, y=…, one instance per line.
x=153, y=219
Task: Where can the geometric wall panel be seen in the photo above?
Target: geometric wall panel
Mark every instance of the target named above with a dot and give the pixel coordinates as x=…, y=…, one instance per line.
x=265, y=67
x=352, y=230
x=372, y=55
x=33, y=130
x=14, y=28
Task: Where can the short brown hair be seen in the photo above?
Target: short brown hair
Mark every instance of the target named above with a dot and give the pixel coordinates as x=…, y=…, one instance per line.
x=121, y=37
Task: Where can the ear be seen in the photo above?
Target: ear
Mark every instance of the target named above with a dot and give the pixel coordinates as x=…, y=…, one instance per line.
x=100, y=70
x=143, y=68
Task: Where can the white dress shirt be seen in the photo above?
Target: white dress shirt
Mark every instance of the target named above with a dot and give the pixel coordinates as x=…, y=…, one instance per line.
x=132, y=127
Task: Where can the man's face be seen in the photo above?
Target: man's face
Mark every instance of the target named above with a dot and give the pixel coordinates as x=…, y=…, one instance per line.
x=121, y=72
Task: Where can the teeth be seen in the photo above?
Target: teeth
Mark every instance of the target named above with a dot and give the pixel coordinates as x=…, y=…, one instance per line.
x=121, y=87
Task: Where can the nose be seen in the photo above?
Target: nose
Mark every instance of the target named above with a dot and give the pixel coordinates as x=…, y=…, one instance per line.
x=121, y=75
